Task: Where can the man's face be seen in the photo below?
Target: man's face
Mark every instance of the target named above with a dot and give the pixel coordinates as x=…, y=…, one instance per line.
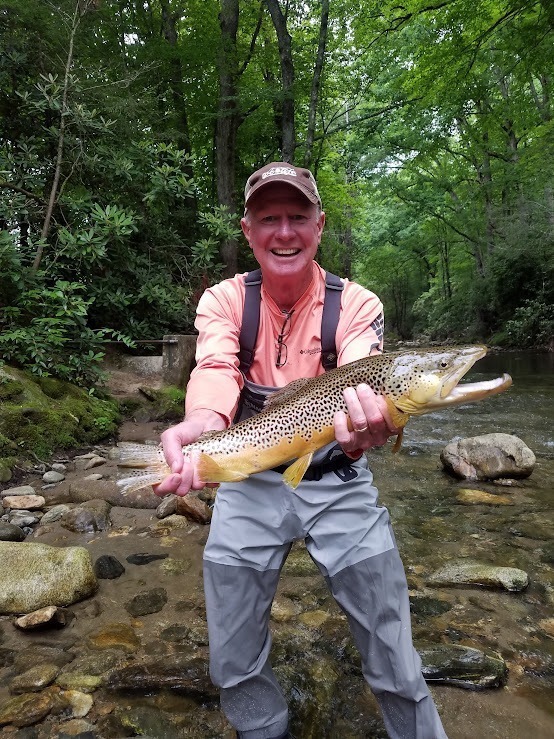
x=283, y=229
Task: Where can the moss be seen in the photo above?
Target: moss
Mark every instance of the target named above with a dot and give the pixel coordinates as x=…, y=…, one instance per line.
x=169, y=402
x=10, y=389
x=49, y=415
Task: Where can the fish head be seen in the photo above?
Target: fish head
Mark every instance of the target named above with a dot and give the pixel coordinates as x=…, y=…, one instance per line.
x=421, y=381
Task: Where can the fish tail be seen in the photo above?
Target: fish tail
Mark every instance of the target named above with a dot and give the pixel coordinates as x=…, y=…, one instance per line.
x=144, y=465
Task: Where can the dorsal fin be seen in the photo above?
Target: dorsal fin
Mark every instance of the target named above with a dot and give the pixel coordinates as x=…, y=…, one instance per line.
x=285, y=393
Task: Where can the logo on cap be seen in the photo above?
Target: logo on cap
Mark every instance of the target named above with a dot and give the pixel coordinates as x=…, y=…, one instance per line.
x=279, y=170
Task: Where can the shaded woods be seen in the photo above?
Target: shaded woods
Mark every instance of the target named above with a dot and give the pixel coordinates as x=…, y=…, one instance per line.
x=127, y=131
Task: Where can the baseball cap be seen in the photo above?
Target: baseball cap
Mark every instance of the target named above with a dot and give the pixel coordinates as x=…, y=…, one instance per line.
x=298, y=177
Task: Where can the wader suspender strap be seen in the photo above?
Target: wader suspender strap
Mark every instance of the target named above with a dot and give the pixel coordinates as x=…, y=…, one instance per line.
x=329, y=320
x=251, y=319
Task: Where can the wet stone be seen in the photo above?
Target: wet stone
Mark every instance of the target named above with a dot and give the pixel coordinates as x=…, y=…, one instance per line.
x=27, y=709
x=23, y=502
x=40, y=654
x=108, y=567
x=20, y=490
x=55, y=513
x=10, y=532
x=178, y=634
x=24, y=519
x=35, y=679
x=173, y=671
x=479, y=497
x=59, y=467
x=149, y=601
x=78, y=681
x=77, y=729
x=50, y=615
x=79, y=703
x=193, y=509
x=85, y=520
x=95, y=663
x=476, y=573
x=462, y=666
x=424, y=606
x=52, y=477
x=115, y=636
x=167, y=507
x=143, y=558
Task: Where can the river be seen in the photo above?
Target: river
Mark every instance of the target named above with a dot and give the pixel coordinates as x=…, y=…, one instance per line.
x=312, y=653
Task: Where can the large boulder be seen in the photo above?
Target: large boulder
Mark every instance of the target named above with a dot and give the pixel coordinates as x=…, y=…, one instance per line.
x=488, y=457
x=33, y=576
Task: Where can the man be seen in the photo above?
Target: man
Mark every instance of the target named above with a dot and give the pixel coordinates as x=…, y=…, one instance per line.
x=334, y=509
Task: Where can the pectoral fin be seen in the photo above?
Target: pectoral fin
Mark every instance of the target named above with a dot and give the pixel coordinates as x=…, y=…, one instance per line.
x=295, y=472
x=211, y=471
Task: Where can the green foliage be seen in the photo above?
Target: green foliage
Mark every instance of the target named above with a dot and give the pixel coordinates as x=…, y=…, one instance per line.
x=532, y=325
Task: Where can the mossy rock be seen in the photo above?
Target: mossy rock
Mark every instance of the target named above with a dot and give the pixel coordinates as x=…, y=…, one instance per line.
x=10, y=389
x=165, y=404
x=48, y=414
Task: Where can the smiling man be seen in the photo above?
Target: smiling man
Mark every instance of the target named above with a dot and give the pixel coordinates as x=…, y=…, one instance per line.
x=257, y=332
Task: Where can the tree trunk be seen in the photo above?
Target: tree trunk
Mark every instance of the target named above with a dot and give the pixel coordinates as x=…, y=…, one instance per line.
x=227, y=124
x=284, y=42
x=169, y=21
x=316, y=83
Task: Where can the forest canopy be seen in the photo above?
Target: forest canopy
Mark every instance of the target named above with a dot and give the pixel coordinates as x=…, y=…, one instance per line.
x=128, y=129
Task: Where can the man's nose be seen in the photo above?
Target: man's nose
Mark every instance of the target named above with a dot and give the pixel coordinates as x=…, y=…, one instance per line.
x=285, y=230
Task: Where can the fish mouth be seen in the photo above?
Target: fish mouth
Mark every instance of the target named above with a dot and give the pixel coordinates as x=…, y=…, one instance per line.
x=477, y=390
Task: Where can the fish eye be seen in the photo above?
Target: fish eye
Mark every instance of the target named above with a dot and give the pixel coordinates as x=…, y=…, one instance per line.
x=444, y=364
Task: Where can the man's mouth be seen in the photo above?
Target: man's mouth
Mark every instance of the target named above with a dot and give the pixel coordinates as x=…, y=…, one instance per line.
x=285, y=252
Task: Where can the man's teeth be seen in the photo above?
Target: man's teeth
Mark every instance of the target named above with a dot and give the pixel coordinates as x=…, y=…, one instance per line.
x=285, y=252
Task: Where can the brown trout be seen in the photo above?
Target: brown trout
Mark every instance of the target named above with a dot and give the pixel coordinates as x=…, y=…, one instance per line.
x=297, y=420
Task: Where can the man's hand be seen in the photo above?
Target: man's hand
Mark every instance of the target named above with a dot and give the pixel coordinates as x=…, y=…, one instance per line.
x=184, y=477
x=368, y=423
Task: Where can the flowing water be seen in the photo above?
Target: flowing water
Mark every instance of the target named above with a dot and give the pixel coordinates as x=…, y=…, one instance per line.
x=432, y=529
x=313, y=656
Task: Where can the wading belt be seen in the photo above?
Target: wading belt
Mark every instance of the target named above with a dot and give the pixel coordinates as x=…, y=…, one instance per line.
x=251, y=320
x=316, y=471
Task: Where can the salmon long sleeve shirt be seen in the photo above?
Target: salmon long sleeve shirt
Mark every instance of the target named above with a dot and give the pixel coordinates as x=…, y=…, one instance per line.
x=216, y=381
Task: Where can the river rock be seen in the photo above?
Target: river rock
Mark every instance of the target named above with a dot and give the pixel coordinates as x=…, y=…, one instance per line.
x=95, y=462
x=144, y=558
x=93, y=515
x=79, y=703
x=114, y=636
x=59, y=467
x=10, y=532
x=33, y=576
x=488, y=457
x=174, y=671
x=25, y=518
x=193, y=509
x=463, y=666
x=84, y=490
x=49, y=615
x=28, y=708
x=55, y=513
x=52, y=477
x=20, y=490
x=108, y=567
x=23, y=502
x=76, y=728
x=149, y=601
x=167, y=507
x=463, y=572
x=35, y=679
x=480, y=497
